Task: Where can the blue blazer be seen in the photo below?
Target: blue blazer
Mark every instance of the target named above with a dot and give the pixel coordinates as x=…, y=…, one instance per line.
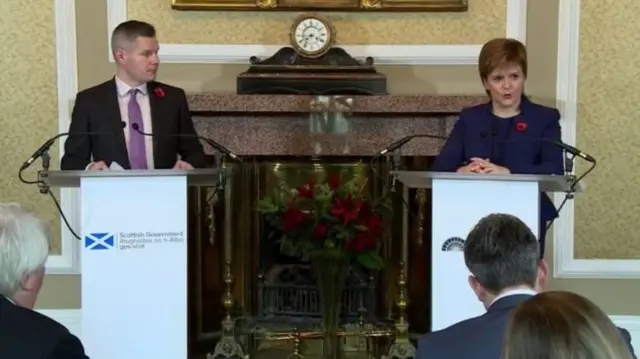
x=479, y=337
x=519, y=148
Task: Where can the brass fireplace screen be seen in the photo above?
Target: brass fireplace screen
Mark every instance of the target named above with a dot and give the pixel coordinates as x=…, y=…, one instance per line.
x=270, y=304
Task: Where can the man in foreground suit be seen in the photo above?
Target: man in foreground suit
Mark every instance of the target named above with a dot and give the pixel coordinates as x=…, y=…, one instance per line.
x=132, y=99
x=502, y=255
x=24, y=333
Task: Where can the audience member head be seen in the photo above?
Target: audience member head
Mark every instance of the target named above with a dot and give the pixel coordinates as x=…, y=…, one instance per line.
x=502, y=254
x=562, y=325
x=24, y=248
x=502, y=65
x=135, y=51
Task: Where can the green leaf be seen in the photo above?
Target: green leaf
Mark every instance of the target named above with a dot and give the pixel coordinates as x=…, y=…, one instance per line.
x=370, y=260
x=267, y=205
x=287, y=247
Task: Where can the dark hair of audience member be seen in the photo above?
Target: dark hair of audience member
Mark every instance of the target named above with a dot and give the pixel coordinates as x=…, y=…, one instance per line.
x=501, y=251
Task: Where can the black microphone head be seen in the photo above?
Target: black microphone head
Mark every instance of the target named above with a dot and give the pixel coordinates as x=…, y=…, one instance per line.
x=135, y=126
x=123, y=124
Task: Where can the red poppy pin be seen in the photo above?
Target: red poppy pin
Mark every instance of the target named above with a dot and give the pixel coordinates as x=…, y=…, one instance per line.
x=521, y=126
x=159, y=92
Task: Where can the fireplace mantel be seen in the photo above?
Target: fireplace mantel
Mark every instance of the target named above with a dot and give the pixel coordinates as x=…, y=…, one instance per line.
x=408, y=104
x=296, y=125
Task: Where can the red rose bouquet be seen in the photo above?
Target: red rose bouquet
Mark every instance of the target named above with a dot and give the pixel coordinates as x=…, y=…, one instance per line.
x=329, y=217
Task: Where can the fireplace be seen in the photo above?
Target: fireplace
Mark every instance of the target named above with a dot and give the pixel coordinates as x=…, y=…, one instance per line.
x=286, y=291
x=246, y=297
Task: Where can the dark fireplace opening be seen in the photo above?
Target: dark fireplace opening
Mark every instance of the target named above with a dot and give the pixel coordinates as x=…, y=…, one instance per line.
x=286, y=288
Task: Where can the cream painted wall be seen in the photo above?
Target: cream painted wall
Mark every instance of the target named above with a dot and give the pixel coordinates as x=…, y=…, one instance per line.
x=607, y=217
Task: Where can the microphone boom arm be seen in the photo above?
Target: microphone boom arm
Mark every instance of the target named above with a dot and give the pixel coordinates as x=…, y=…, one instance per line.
x=209, y=141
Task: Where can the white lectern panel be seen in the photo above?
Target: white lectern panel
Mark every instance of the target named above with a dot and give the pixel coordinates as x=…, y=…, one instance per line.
x=134, y=267
x=457, y=206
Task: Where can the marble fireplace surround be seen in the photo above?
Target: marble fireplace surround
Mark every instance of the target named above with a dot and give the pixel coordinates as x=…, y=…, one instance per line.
x=283, y=125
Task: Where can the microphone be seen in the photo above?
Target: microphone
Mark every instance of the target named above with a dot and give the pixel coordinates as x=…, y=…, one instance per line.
x=401, y=142
x=211, y=142
x=40, y=151
x=574, y=151
x=47, y=145
x=568, y=148
x=483, y=136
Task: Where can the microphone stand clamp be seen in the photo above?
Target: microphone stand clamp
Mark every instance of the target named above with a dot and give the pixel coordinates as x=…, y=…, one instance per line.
x=396, y=164
x=43, y=174
x=219, y=163
x=568, y=173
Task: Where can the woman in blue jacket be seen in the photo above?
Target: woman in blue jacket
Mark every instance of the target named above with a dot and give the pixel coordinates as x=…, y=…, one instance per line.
x=505, y=135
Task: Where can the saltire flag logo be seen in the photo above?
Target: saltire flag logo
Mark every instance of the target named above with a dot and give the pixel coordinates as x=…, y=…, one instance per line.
x=99, y=241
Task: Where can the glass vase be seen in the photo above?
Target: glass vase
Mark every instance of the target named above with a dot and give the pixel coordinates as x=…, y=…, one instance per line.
x=331, y=274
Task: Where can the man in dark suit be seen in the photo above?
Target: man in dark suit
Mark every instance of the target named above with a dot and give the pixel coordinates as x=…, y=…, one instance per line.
x=502, y=254
x=132, y=102
x=25, y=333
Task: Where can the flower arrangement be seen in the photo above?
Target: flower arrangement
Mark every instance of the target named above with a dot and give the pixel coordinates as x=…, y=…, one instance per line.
x=329, y=218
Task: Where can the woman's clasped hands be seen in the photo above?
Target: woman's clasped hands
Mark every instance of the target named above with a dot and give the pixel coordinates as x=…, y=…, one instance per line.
x=481, y=165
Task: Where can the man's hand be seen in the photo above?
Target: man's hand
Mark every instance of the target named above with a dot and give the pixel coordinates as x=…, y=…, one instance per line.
x=182, y=165
x=98, y=166
x=485, y=166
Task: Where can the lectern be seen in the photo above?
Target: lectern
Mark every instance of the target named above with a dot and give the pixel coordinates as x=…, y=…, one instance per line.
x=459, y=201
x=134, y=259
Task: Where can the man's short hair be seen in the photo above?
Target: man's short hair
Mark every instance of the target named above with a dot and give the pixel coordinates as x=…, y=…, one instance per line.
x=501, y=251
x=24, y=246
x=129, y=31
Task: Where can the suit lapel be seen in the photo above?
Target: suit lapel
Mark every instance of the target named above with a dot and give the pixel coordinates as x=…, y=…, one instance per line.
x=507, y=145
x=113, y=115
x=525, y=116
x=488, y=130
x=156, y=104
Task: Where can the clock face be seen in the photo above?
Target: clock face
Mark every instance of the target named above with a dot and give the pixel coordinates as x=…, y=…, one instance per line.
x=312, y=36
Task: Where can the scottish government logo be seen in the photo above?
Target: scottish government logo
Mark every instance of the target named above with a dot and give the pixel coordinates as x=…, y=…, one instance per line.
x=453, y=244
x=125, y=241
x=99, y=241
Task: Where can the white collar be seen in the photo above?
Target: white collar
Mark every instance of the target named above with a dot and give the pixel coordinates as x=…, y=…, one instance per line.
x=123, y=88
x=508, y=293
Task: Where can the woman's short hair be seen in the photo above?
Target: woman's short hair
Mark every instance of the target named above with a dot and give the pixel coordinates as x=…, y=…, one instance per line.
x=562, y=325
x=501, y=52
x=24, y=246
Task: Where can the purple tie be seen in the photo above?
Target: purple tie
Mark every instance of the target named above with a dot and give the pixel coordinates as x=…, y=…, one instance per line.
x=137, y=152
